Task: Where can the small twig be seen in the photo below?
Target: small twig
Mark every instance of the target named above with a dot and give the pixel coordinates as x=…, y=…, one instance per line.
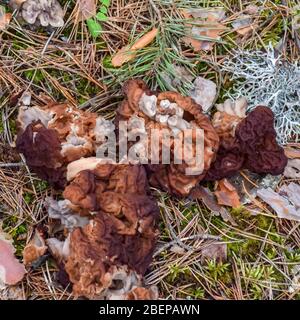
x=203, y=236
x=157, y=11
x=8, y=165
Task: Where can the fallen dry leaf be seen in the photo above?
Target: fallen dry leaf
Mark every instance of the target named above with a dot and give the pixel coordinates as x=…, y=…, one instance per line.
x=11, y=270
x=211, y=27
x=204, y=92
x=34, y=249
x=4, y=18
x=227, y=194
x=243, y=25
x=128, y=53
x=87, y=9
x=209, y=199
x=286, y=204
x=292, y=151
x=292, y=191
x=214, y=251
x=177, y=249
x=292, y=170
x=248, y=183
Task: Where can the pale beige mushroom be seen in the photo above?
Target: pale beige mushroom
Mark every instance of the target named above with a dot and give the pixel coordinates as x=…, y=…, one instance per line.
x=35, y=249
x=45, y=12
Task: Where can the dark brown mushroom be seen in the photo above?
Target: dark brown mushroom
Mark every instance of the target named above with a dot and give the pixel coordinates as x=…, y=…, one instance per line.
x=253, y=146
x=257, y=138
x=42, y=151
x=67, y=135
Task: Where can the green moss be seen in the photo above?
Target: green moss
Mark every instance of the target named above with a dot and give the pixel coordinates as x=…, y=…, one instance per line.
x=177, y=272
x=292, y=256
x=219, y=270
x=28, y=197
x=247, y=248
x=10, y=225
x=35, y=75
x=13, y=126
x=41, y=185
x=164, y=233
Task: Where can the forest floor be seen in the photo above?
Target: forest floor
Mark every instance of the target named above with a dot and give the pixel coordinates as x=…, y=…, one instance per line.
x=259, y=254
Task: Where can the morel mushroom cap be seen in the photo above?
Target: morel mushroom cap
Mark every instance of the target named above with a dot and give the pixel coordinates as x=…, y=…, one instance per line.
x=172, y=112
x=101, y=258
x=119, y=190
x=140, y=293
x=229, y=161
x=45, y=12
x=41, y=149
x=73, y=133
x=107, y=257
x=225, y=125
x=254, y=147
x=229, y=158
x=257, y=137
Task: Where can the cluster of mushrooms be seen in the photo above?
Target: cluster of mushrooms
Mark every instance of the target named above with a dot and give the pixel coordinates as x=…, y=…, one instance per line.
x=107, y=213
x=40, y=12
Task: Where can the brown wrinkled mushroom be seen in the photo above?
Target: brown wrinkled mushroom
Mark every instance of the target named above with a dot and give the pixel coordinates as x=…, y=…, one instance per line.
x=257, y=137
x=102, y=259
x=64, y=134
x=253, y=147
x=229, y=158
x=109, y=255
x=225, y=125
x=42, y=151
x=43, y=12
x=229, y=162
x=119, y=190
x=172, y=112
x=140, y=293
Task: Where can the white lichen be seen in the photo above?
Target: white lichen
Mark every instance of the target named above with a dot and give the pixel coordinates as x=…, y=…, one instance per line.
x=265, y=79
